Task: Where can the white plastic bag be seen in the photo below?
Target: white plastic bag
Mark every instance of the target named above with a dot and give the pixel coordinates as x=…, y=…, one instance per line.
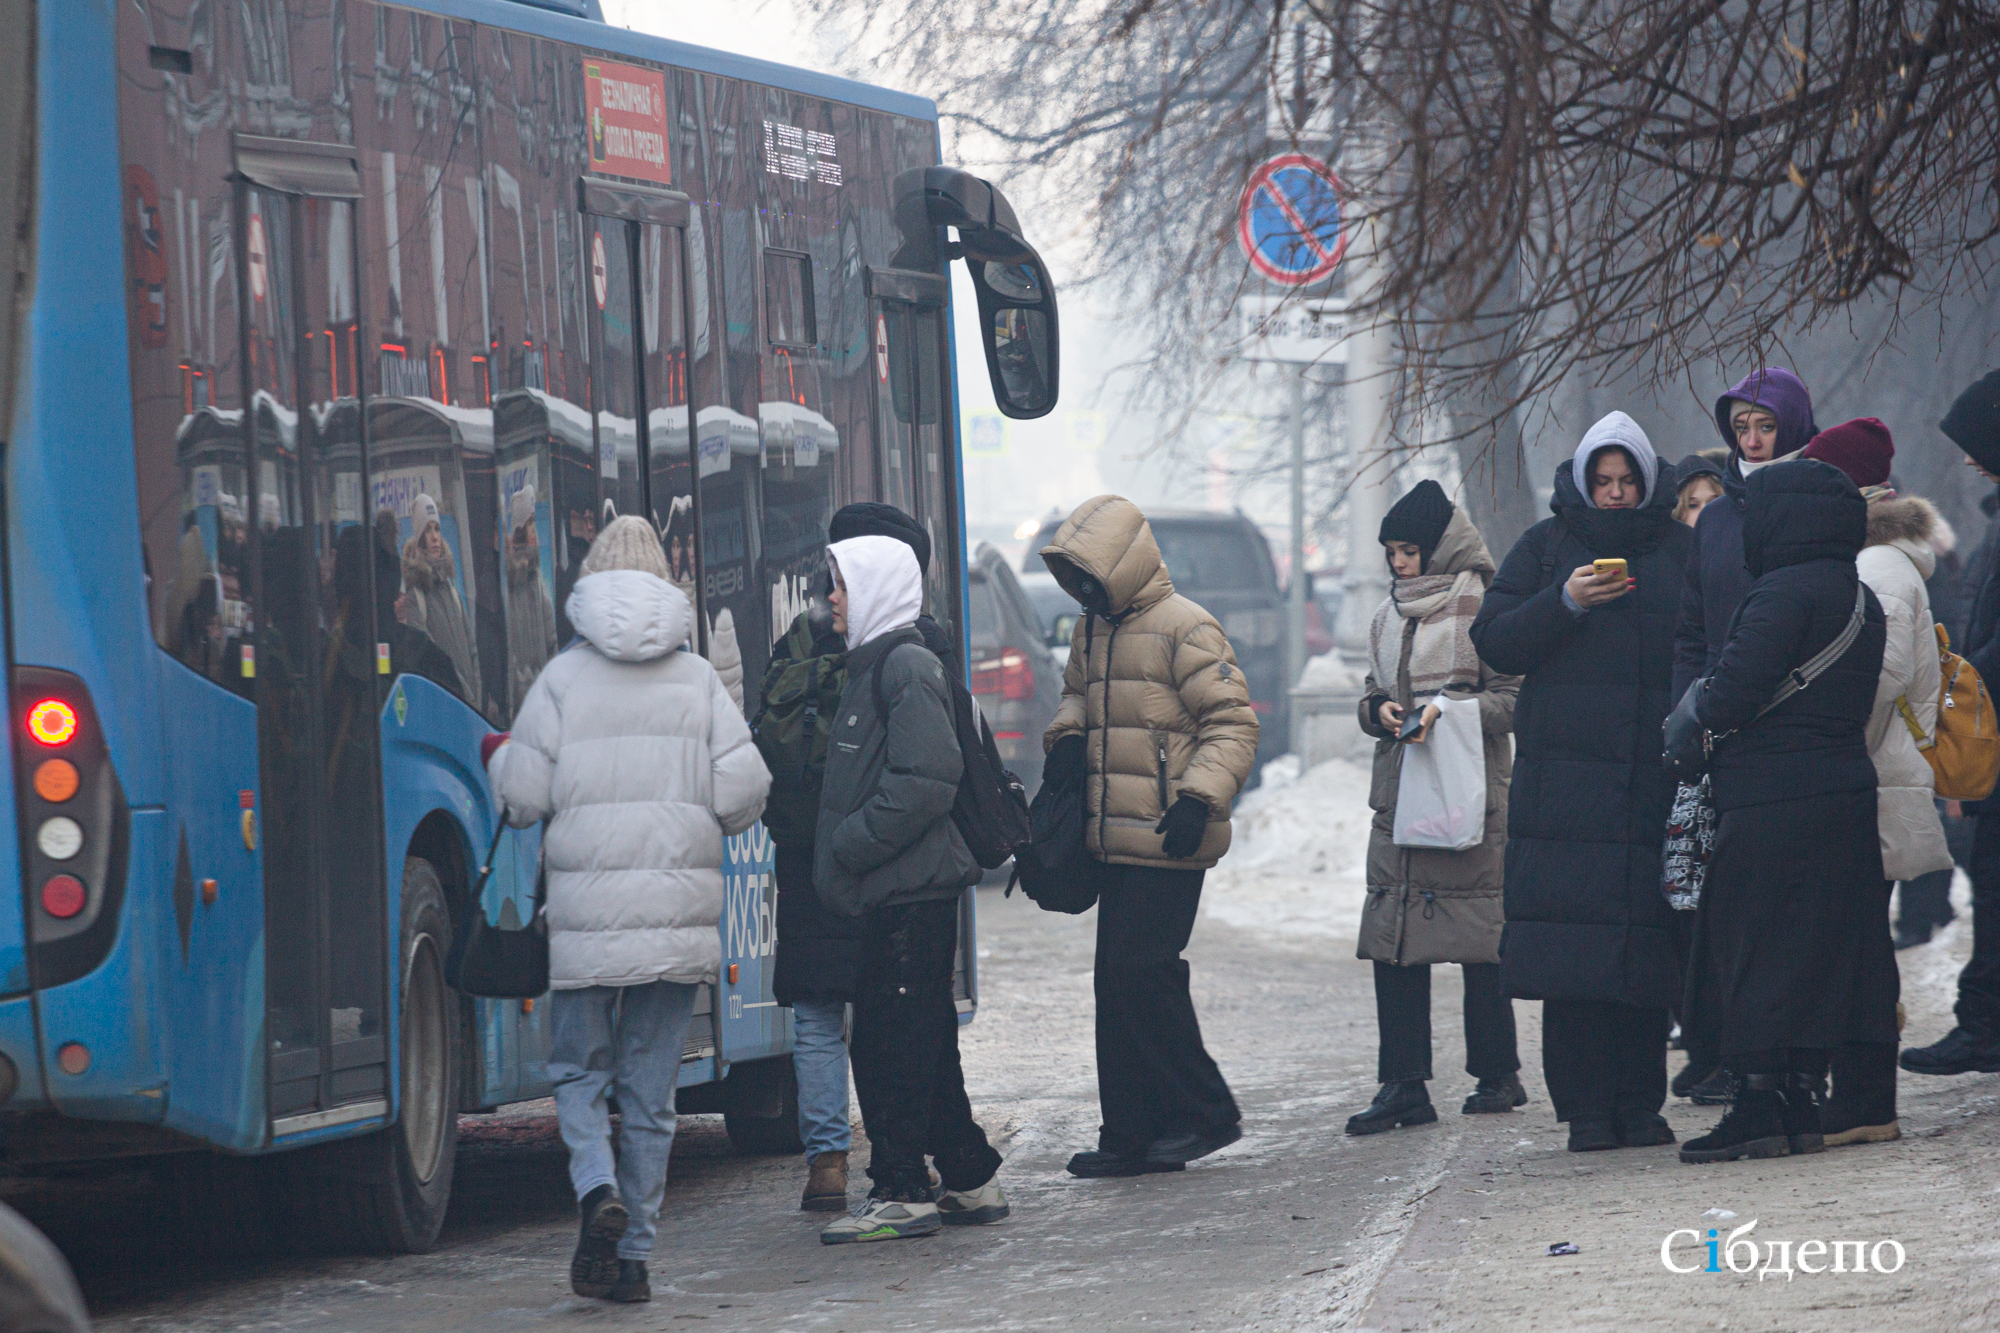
x=1441, y=797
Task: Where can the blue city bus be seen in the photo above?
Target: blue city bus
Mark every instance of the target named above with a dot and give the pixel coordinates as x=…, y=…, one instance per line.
x=339, y=330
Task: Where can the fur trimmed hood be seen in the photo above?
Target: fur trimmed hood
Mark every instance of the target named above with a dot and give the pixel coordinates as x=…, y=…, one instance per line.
x=1908, y=518
x=422, y=572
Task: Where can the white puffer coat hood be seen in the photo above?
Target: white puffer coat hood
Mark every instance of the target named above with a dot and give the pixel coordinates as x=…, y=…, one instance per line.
x=1895, y=563
x=634, y=752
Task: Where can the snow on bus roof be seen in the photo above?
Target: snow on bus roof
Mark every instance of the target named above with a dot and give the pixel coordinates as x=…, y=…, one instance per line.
x=680, y=55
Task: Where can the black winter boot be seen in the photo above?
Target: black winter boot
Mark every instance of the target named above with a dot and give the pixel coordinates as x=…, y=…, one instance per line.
x=1718, y=1089
x=631, y=1286
x=1801, y=1096
x=1396, y=1104
x=1753, y=1126
x=1692, y=1076
x=1495, y=1094
x=1643, y=1129
x=594, y=1268
x=1960, y=1051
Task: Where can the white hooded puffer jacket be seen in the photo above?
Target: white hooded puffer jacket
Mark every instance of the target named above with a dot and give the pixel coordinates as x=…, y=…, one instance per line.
x=1895, y=563
x=634, y=751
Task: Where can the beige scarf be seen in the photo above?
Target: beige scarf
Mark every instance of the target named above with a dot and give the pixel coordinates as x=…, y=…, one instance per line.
x=1438, y=608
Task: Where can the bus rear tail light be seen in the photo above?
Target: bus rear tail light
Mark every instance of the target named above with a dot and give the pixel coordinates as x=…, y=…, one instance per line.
x=1007, y=675
x=63, y=896
x=73, y=825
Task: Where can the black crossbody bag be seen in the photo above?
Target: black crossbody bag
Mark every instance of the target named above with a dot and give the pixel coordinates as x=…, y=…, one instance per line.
x=491, y=961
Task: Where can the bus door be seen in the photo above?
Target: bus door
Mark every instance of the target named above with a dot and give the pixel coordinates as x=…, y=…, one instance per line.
x=636, y=285
x=917, y=461
x=908, y=310
x=311, y=649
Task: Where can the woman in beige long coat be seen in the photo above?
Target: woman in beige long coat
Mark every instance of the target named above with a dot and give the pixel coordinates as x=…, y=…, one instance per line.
x=1430, y=905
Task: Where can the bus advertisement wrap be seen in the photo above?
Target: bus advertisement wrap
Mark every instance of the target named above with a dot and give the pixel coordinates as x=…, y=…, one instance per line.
x=627, y=106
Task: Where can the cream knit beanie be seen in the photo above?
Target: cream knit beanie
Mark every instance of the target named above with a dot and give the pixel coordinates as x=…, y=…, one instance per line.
x=628, y=543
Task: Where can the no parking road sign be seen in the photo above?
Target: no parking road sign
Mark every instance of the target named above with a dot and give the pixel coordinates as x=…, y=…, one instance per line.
x=1288, y=220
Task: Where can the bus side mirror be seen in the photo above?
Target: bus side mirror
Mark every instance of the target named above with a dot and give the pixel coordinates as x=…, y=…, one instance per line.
x=1017, y=302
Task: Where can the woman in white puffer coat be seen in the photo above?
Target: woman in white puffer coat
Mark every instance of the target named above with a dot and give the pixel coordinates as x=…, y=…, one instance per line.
x=633, y=750
x=1894, y=564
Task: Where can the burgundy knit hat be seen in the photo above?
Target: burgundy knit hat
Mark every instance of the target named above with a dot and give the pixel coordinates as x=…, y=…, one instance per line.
x=1861, y=448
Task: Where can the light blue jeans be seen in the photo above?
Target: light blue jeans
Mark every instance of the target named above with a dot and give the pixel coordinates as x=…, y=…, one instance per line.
x=819, y=1057
x=622, y=1041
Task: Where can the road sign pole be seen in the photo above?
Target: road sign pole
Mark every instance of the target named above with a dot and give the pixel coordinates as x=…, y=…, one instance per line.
x=1366, y=581
x=1295, y=629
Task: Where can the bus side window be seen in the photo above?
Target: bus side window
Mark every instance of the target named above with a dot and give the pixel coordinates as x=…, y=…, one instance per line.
x=545, y=504
x=430, y=490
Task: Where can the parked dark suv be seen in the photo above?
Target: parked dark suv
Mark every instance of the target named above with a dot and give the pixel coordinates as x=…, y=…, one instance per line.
x=1014, y=677
x=1223, y=562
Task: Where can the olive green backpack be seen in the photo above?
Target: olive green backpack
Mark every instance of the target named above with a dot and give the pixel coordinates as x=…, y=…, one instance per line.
x=793, y=729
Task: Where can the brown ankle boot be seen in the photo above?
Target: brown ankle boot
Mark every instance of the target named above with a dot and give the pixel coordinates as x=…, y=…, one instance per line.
x=826, y=1187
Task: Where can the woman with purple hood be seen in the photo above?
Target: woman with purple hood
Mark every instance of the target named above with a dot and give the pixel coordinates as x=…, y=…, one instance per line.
x=1764, y=417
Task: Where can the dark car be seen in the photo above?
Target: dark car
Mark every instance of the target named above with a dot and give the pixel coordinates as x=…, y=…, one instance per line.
x=1015, y=678
x=1223, y=562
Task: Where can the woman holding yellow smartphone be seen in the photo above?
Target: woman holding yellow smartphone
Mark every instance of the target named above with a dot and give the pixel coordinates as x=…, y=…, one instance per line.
x=1583, y=610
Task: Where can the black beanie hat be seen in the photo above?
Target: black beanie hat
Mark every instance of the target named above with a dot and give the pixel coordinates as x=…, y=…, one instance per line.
x=1420, y=516
x=1974, y=422
x=872, y=518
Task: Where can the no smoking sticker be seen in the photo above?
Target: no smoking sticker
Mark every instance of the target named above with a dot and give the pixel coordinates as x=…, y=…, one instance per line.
x=259, y=257
x=597, y=269
x=882, y=348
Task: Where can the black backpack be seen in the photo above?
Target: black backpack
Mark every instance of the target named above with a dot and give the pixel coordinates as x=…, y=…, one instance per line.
x=1055, y=868
x=991, y=809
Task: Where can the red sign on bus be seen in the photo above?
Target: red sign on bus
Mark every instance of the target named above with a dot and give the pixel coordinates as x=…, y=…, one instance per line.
x=626, y=107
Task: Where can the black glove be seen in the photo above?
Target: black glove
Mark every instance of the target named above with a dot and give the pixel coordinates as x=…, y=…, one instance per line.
x=1065, y=761
x=1184, y=825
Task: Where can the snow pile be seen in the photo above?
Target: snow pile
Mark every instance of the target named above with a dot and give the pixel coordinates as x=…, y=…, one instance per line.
x=1297, y=862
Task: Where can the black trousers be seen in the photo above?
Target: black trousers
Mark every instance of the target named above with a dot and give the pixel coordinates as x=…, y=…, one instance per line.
x=1154, y=1076
x=904, y=1051
x=1403, y=1013
x=1601, y=1059
x=1978, y=1006
x=1924, y=903
x=1704, y=1051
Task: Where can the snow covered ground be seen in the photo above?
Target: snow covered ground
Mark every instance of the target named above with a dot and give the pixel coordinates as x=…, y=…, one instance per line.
x=1296, y=868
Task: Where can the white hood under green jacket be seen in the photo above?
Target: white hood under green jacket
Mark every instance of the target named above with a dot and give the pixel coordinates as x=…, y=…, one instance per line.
x=633, y=750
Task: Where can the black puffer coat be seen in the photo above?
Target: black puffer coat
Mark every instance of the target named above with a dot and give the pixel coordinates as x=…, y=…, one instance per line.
x=1792, y=944
x=1588, y=811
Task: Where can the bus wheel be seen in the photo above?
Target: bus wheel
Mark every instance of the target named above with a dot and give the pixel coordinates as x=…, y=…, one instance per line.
x=386, y=1193
x=761, y=1107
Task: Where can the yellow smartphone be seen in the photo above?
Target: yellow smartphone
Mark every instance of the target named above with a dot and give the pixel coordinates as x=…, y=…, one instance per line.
x=1609, y=567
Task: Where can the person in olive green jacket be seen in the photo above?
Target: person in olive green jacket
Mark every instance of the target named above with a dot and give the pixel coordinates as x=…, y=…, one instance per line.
x=1156, y=715
x=1432, y=905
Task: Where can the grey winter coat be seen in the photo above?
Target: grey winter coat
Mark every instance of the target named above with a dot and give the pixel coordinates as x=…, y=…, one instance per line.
x=885, y=834
x=1427, y=905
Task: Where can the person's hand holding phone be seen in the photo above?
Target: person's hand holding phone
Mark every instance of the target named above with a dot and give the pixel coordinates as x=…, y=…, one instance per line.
x=1589, y=586
x=1418, y=729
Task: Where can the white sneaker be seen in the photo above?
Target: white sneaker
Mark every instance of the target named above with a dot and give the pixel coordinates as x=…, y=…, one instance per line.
x=972, y=1208
x=883, y=1219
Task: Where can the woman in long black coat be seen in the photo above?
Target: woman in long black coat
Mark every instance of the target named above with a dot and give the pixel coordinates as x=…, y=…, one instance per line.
x=1790, y=958
x=1588, y=932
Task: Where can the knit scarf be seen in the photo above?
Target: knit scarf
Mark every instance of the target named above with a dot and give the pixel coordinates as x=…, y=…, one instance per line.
x=1442, y=607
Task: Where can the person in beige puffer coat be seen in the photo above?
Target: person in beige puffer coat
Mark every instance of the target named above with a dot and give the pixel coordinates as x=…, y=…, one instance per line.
x=1156, y=715
x=1432, y=905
